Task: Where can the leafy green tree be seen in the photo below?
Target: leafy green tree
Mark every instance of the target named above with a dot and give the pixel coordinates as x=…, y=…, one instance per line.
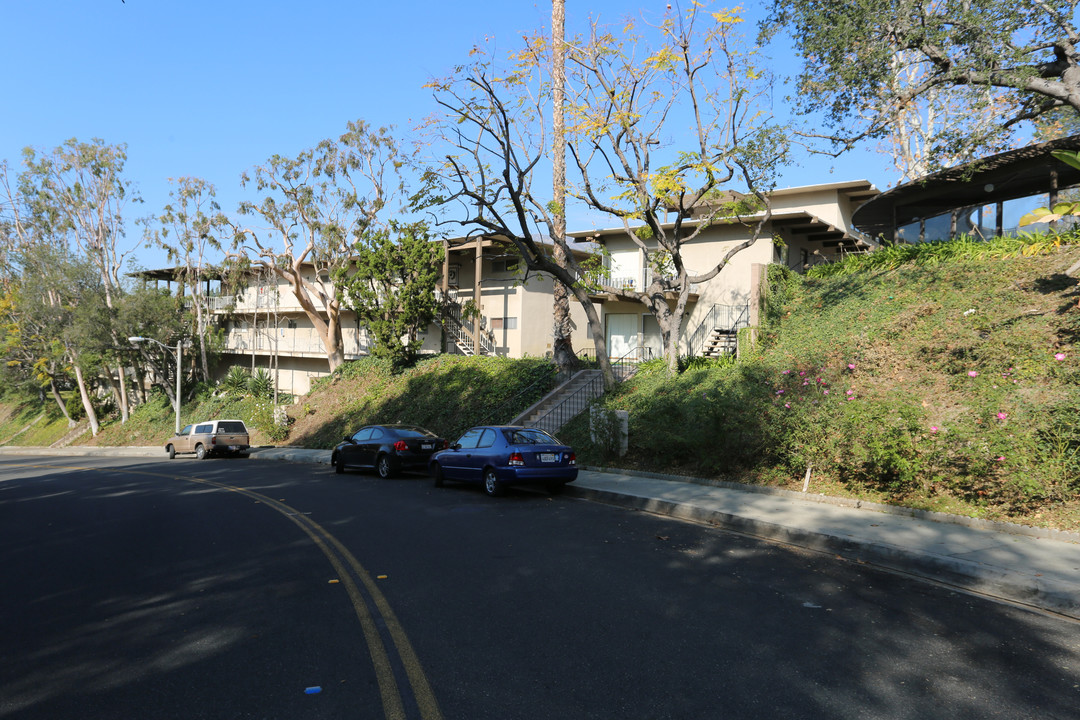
x=314, y=205
x=150, y=312
x=1023, y=55
x=391, y=285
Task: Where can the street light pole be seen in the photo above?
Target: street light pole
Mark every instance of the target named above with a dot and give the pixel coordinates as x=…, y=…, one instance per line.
x=135, y=340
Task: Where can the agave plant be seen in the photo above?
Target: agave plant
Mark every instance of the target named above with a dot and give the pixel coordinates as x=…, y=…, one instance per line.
x=236, y=381
x=261, y=385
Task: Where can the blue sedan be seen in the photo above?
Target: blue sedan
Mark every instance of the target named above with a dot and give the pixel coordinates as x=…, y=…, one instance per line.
x=498, y=456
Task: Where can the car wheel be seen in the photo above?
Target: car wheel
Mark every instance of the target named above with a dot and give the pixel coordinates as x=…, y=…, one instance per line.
x=556, y=488
x=383, y=467
x=171, y=450
x=437, y=474
x=200, y=452
x=492, y=486
x=339, y=465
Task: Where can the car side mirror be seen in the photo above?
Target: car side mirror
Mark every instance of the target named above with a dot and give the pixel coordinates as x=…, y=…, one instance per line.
x=347, y=438
x=455, y=446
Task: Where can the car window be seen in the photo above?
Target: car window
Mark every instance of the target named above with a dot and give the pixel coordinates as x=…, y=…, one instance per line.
x=377, y=433
x=413, y=432
x=204, y=429
x=186, y=430
x=232, y=427
x=468, y=440
x=487, y=439
x=362, y=434
x=528, y=436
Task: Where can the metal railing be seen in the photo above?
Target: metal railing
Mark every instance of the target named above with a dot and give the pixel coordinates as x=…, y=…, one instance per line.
x=574, y=404
x=460, y=329
x=721, y=318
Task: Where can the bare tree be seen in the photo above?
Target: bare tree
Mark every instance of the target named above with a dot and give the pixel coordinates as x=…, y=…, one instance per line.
x=626, y=99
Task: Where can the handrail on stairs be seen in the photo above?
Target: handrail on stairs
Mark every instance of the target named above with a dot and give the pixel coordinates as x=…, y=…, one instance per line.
x=572, y=405
x=728, y=318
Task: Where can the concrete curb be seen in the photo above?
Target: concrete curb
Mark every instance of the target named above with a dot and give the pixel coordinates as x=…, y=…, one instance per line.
x=1058, y=597
x=995, y=525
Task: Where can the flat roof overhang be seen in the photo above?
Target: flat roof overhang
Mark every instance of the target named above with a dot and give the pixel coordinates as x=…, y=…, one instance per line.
x=1006, y=176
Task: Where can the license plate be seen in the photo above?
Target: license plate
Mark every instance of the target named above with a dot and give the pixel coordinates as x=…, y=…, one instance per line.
x=549, y=457
x=427, y=446
x=234, y=448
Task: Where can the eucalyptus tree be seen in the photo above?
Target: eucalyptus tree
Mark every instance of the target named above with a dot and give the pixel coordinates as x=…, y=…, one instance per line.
x=190, y=229
x=75, y=196
x=313, y=207
x=691, y=76
x=1021, y=59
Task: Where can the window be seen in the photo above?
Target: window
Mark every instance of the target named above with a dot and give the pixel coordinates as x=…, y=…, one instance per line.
x=362, y=435
x=504, y=266
x=292, y=324
x=204, y=429
x=468, y=440
x=509, y=323
x=487, y=439
x=529, y=436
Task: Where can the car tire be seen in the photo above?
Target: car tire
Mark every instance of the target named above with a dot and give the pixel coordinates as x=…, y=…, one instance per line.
x=556, y=488
x=437, y=474
x=171, y=450
x=384, y=467
x=200, y=452
x=492, y=486
x=339, y=465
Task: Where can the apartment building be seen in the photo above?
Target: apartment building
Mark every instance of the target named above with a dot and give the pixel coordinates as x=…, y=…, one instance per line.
x=812, y=224
x=266, y=327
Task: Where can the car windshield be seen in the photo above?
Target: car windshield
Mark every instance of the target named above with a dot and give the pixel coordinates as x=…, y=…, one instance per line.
x=529, y=436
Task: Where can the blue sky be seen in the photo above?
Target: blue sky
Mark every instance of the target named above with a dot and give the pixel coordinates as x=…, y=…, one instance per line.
x=209, y=89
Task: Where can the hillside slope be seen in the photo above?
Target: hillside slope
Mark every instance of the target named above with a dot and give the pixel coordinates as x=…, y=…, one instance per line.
x=945, y=383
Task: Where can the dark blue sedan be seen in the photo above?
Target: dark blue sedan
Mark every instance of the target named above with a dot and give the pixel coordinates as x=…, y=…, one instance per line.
x=498, y=456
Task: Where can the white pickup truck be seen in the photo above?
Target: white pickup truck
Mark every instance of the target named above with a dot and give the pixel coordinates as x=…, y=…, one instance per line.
x=213, y=437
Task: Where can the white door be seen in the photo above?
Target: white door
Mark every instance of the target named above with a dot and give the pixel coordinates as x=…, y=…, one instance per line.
x=654, y=341
x=622, y=334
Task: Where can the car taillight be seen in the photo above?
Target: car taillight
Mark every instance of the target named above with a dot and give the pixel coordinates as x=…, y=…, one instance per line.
x=516, y=459
x=572, y=459
x=401, y=446
x=213, y=440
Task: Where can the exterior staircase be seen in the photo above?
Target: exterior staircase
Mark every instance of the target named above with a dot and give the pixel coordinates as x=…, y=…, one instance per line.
x=460, y=330
x=563, y=403
x=720, y=342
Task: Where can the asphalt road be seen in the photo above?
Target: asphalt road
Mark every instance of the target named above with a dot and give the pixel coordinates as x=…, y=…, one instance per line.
x=137, y=588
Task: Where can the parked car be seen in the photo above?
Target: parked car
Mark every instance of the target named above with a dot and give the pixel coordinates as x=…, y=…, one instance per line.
x=498, y=456
x=388, y=449
x=212, y=437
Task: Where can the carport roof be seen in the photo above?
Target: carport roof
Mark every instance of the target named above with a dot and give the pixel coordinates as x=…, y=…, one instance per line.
x=1014, y=174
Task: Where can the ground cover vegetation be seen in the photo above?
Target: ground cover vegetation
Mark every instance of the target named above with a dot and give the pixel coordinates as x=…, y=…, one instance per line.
x=941, y=376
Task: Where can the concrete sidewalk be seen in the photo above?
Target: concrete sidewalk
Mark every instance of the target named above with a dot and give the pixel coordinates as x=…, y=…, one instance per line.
x=1035, y=567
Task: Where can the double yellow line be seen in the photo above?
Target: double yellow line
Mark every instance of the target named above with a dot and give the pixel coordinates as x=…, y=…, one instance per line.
x=349, y=570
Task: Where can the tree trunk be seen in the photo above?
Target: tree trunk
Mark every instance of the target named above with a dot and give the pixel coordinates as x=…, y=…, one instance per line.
x=599, y=341
x=91, y=415
x=123, y=394
x=60, y=401
x=562, y=344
